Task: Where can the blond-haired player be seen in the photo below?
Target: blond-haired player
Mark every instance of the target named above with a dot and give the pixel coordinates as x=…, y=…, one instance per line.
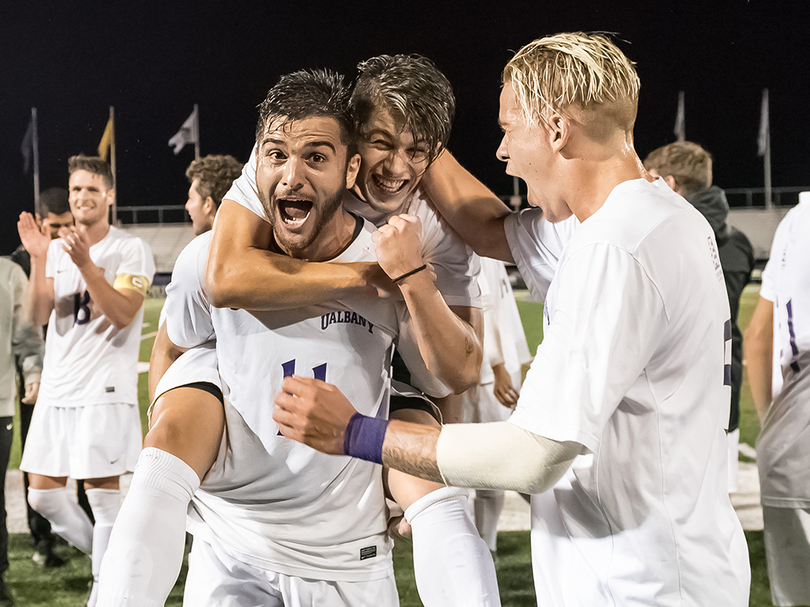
x=619, y=428
x=89, y=286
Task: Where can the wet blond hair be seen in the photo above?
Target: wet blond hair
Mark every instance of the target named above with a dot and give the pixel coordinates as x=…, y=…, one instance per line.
x=574, y=70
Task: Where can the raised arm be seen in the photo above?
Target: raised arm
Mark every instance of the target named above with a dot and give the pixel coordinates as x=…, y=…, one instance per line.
x=758, y=354
x=449, y=338
x=36, y=241
x=242, y=273
x=468, y=206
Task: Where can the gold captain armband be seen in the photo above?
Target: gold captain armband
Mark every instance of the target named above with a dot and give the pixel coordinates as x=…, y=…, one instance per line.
x=133, y=282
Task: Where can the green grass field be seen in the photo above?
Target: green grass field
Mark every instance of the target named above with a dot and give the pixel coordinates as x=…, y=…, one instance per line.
x=67, y=586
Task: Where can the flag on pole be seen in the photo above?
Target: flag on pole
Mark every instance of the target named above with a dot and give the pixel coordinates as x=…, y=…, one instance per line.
x=764, y=125
x=106, y=140
x=27, y=148
x=680, y=119
x=188, y=133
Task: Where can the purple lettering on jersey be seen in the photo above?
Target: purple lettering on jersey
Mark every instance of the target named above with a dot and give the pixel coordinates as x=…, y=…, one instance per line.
x=346, y=317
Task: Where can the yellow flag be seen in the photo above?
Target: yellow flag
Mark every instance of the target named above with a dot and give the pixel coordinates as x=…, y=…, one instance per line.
x=106, y=140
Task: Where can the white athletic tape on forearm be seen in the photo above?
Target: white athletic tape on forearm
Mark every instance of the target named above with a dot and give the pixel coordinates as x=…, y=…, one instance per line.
x=501, y=455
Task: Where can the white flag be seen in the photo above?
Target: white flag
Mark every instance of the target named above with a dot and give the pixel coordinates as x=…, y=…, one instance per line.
x=188, y=133
x=680, y=119
x=764, y=126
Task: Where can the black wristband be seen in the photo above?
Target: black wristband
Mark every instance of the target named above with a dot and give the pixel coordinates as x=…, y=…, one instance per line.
x=411, y=273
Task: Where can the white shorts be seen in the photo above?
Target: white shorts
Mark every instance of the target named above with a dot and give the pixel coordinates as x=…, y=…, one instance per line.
x=787, y=551
x=217, y=579
x=94, y=441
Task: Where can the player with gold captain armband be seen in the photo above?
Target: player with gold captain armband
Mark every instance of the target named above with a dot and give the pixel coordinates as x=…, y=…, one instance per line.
x=89, y=286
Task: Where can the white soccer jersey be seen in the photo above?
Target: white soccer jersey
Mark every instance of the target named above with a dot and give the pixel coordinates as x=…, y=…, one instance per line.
x=87, y=360
x=504, y=339
x=271, y=501
x=632, y=367
x=783, y=446
x=455, y=265
x=536, y=246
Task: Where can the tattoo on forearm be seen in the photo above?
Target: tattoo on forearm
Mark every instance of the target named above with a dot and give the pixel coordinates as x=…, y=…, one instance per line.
x=412, y=451
x=469, y=346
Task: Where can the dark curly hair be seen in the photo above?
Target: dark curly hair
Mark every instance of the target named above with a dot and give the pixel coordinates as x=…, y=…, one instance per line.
x=216, y=174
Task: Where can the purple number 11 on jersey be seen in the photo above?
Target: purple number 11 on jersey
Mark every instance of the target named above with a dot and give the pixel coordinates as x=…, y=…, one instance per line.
x=288, y=369
x=318, y=372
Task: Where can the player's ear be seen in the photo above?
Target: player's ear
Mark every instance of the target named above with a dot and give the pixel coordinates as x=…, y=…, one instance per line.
x=558, y=129
x=209, y=206
x=110, y=197
x=670, y=180
x=352, y=168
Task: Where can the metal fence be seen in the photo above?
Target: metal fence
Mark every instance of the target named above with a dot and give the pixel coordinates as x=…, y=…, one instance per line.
x=755, y=197
x=737, y=197
x=163, y=213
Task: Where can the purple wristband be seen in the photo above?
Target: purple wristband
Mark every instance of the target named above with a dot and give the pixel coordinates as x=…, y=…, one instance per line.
x=364, y=437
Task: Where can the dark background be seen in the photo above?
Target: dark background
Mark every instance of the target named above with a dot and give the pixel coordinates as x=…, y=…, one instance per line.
x=153, y=61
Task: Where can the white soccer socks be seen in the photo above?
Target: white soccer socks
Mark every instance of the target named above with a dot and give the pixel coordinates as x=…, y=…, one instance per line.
x=452, y=564
x=488, y=505
x=105, y=504
x=145, y=553
x=67, y=518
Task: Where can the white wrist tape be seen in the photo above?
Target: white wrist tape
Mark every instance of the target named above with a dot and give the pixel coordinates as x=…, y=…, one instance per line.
x=501, y=455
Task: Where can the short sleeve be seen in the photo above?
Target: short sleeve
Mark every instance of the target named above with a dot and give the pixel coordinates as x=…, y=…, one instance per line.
x=137, y=260
x=770, y=275
x=537, y=245
x=606, y=321
x=243, y=190
x=187, y=309
x=454, y=263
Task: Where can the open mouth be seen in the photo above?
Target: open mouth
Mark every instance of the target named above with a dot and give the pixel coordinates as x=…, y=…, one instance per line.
x=294, y=212
x=389, y=186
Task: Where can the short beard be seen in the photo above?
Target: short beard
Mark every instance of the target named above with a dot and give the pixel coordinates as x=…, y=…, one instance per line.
x=330, y=207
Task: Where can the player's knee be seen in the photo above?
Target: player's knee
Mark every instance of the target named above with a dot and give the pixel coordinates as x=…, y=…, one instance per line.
x=46, y=501
x=405, y=489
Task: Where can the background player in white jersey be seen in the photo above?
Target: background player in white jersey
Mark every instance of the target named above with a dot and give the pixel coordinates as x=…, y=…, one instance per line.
x=89, y=286
x=505, y=353
x=265, y=544
x=777, y=354
x=209, y=177
x=625, y=403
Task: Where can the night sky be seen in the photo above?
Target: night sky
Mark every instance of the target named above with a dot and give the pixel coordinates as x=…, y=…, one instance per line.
x=153, y=61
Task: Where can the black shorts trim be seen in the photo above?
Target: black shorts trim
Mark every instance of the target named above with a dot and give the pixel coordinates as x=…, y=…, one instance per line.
x=399, y=403
x=205, y=386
